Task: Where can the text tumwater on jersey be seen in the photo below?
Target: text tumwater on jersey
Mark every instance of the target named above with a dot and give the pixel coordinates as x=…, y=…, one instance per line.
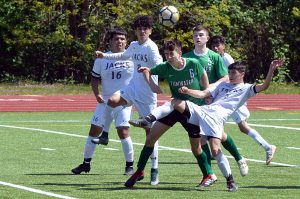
x=182, y=83
x=116, y=65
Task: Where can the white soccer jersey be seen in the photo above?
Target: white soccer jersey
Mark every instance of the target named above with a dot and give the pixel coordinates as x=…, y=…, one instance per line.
x=228, y=98
x=147, y=55
x=242, y=113
x=227, y=59
x=114, y=75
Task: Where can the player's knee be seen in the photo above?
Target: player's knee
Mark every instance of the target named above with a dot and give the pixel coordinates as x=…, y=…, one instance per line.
x=214, y=152
x=112, y=103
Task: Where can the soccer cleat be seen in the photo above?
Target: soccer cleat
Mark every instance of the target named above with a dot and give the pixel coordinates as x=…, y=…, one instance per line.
x=100, y=140
x=232, y=187
x=214, y=177
x=84, y=167
x=154, y=177
x=137, y=176
x=128, y=171
x=270, y=154
x=142, y=123
x=243, y=166
x=207, y=181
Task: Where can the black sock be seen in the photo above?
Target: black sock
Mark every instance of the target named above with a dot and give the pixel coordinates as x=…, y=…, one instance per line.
x=87, y=160
x=129, y=164
x=150, y=118
x=104, y=134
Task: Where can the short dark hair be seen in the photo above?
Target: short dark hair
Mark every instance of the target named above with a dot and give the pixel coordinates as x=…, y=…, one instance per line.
x=115, y=31
x=200, y=27
x=172, y=45
x=143, y=21
x=239, y=66
x=217, y=40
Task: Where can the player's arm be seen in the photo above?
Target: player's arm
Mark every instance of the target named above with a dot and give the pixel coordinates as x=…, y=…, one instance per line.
x=94, y=85
x=273, y=66
x=147, y=73
x=204, y=80
x=194, y=93
x=115, y=56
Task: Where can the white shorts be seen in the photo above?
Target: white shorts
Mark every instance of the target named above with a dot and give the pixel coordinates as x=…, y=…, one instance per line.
x=241, y=114
x=142, y=108
x=210, y=125
x=120, y=114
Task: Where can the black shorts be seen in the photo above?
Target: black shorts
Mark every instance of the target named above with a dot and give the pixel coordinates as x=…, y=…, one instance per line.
x=175, y=116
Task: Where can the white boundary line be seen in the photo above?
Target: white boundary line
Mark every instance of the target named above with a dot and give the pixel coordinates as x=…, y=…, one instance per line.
x=35, y=190
x=161, y=147
x=269, y=126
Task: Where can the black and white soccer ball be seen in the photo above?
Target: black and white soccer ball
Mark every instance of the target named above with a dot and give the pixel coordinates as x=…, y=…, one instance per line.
x=168, y=16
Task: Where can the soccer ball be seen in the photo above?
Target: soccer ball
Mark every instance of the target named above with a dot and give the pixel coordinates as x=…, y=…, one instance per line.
x=168, y=16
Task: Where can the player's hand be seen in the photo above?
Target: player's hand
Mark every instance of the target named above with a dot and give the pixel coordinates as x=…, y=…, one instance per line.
x=99, y=54
x=276, y=63
x=143, y=69
x=99, y=99
x=208, y=100
x=183, y=90
x=156, y=89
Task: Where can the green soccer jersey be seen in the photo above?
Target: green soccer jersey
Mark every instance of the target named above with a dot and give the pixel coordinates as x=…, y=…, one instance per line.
x=212, y=63
x=188, y=76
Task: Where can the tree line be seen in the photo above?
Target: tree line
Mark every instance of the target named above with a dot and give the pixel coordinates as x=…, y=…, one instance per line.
x=54, y=41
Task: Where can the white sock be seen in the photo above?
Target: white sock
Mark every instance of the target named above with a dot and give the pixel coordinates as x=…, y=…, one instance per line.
x=127, y=149
x=154, y=156
x=258, y=139
x=223, y=164
x=162, y=111
x=89, y=148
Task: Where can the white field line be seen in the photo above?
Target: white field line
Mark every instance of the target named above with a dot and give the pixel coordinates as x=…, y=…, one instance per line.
x=141, y=144
x=48, y=149
x=269, y=126
x=35, y=190
x=297, y=148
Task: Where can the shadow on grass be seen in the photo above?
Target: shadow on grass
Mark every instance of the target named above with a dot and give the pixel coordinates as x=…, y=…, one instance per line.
x=271, y=187
x=117, y=186
x=70, y=174
x=182, y=163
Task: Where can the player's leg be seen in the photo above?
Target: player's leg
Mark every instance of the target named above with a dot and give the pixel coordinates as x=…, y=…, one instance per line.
x=114, y=101
x=157, y=113
x=223, y=163
x=157, y=130
x=208, y=176
x=89, y=148
x=240, y=117
x=122, y=117
x=270, y=149
x=193, y=129
x=144, y=110
x=230, y=146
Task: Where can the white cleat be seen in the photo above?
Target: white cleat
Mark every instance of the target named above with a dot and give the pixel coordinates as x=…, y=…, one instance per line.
x=270, y=154
x=154, y=177
x=243, y=166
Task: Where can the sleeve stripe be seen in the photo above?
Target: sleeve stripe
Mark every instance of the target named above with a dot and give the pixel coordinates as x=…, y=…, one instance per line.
x=94, y=74
x=254, y=88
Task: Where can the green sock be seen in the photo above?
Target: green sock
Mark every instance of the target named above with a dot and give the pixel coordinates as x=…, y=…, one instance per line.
x=206, y=150
x=144, y=156
x=203, y=164
x=230, y=146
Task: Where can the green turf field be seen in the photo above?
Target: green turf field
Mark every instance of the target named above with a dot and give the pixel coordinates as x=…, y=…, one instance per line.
x=38, y=150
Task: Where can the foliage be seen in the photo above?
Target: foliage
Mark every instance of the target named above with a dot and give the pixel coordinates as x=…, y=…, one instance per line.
x=54, y=41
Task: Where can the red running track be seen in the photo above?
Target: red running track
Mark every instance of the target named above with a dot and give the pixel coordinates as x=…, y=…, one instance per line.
x=86, y=103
